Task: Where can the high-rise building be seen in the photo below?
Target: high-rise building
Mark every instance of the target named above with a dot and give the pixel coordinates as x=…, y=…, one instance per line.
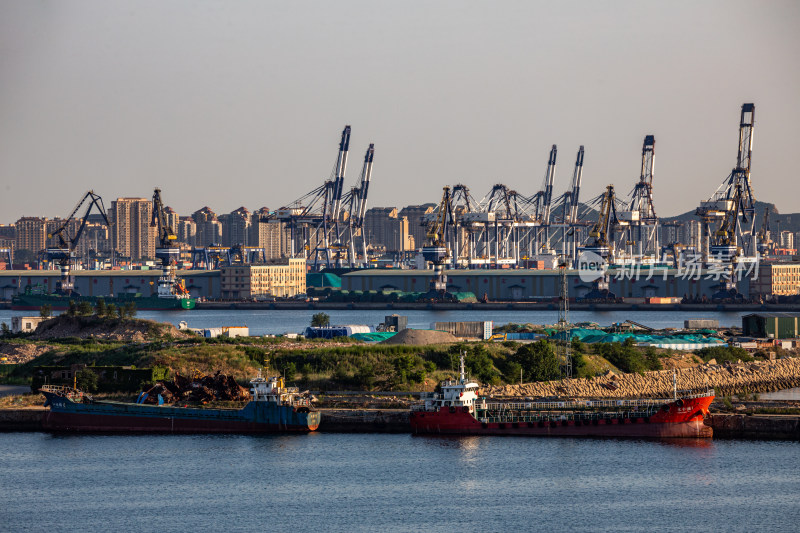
x=131, y=233
x=209, y=229
x=415, y=215
x=384, y=229
x=172, y=219
x=31, y=234
x=236, y=227
x=272, y=236
x=186, y=230
x=787, y=240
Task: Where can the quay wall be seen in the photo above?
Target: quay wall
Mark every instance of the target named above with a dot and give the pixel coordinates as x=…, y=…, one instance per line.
x=739, y=426
x=757, y=376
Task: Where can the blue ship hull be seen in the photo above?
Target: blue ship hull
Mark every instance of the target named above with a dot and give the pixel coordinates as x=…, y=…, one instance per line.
x=101, y=416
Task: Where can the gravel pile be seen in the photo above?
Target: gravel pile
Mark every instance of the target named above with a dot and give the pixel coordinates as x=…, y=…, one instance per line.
x=421, y=337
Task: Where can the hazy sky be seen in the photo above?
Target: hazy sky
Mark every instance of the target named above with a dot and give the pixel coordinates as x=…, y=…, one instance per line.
x=236, y=103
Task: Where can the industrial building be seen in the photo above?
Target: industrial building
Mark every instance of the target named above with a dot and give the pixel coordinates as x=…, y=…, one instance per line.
x=199, y=283
x=782, y=279
x=526, y=284
x=281, y=278
x=771, y=325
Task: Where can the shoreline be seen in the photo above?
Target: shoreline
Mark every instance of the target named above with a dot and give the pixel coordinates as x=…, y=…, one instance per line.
x=490, y=306
x=726, y=426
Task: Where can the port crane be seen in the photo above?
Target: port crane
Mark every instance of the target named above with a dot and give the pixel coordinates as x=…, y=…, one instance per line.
x=356, y=200
x=64, y=251
x=601, y=244
x=765, y=244
x=568, y=204
x=717, y=209
x=641, y=213
x=436, y=249
x=168, y=285
x=317, y=215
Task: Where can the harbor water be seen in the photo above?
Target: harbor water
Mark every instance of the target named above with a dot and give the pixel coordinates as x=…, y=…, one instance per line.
x=376, y=482
x=276, y=322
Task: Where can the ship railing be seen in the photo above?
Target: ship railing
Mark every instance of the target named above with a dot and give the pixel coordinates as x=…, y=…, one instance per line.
x=554, y=416
x=589, y=404
x=63, y=391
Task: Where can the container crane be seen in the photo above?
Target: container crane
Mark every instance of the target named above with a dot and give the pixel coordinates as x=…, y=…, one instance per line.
x=316, y=215
x=64, y=251
x=543, y=205
x=716, y=209
x=641, y=212
x=357, y=201
x=169, y=286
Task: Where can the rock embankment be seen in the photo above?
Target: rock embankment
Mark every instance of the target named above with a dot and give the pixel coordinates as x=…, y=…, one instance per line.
x=757, y=376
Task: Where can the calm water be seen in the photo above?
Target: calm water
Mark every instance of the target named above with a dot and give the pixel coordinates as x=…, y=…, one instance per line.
x=329, y=482
x=295, y=321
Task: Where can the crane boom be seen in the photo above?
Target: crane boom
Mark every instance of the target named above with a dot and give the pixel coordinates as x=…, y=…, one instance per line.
x=576, y=186
x=548, y=185
x=64, y=252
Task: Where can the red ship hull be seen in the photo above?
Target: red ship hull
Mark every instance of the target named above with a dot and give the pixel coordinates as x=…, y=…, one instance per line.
x=681, y=419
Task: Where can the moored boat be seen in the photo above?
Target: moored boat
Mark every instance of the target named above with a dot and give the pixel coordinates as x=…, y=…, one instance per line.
x=273, y=408
x=458, y=410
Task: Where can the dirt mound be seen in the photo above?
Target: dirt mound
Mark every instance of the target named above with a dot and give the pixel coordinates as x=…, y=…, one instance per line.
x=104, y=328
x=420, y=337
x=21, y=353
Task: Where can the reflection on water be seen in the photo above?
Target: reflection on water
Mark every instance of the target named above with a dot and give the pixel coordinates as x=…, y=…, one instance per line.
x=786, y=394
x=372, y=482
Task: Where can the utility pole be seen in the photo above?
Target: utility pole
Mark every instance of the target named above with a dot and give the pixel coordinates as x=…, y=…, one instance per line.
x=563, y=319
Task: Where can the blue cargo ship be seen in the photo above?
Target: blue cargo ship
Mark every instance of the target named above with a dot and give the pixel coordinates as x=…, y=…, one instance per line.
x=273, y=408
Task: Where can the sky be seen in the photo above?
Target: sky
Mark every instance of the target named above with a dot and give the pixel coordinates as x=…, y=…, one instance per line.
x=242, y=103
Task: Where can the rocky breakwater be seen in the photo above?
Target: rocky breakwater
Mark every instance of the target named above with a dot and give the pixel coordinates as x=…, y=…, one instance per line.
x=726, y=379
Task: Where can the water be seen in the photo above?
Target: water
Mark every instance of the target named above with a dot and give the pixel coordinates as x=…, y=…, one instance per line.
x=786, y=394
x=330, y=482
x=270, y=321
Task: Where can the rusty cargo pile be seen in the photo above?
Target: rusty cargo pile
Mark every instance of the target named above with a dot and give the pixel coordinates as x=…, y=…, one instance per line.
x=200, y=389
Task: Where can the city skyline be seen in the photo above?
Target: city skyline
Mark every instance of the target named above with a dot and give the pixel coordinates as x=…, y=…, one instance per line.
x=216, y=103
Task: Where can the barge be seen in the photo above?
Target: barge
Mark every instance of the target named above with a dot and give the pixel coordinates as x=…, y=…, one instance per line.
x=273, y=408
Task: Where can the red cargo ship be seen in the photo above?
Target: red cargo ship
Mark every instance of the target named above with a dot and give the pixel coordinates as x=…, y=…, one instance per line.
x=457, y=410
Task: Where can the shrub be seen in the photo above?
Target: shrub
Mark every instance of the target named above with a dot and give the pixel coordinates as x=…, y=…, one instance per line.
x=320, y=320
x=538, y=361
x=723, y=354
x=86, y=380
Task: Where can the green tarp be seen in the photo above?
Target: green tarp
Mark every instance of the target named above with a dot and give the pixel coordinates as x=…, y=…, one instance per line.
x=377, y=336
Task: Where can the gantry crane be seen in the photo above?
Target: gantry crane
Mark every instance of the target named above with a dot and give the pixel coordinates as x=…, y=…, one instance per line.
x=717, y=208
x=64, y=251
x=641, y=213
x=357, y=202
x=317, y=215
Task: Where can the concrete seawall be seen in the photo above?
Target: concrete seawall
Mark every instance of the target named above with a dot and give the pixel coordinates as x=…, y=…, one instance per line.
x=762, y=427
x=758, y=376
x=21, y=419
x=365, y=421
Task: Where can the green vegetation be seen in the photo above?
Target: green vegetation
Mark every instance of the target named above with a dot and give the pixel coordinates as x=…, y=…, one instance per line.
x=317, y=364
x=627, y=357
x=723, y=354
x=320, y=320
x=86, y=380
